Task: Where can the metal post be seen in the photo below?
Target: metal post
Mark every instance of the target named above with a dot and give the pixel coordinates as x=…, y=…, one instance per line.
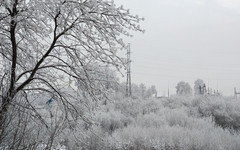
x=128, y=84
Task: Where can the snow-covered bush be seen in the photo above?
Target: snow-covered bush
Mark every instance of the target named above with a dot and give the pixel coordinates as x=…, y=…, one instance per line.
x=151, y=106
x=174, y=138
x=111, y=120
x=129, y=107
x=174, y=123
x=225, y=112
x=150, y=120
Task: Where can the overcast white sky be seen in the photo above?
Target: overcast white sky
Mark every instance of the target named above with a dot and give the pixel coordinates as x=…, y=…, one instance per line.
x=186, y=40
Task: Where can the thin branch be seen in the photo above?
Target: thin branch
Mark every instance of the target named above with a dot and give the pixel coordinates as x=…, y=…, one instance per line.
x=56, y=37
x=43, y=67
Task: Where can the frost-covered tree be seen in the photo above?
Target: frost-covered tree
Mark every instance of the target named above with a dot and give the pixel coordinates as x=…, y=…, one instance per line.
x=143, y=89
x=151, y=92
x=198, y=86
x=183, y=88
x=46, y=44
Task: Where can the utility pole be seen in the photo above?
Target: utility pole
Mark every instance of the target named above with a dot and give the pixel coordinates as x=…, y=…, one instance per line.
x=168, y=91
x=128, y=84
x=236, y=93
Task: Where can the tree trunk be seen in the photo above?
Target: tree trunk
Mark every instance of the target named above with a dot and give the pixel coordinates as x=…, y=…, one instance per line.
x=3, y=113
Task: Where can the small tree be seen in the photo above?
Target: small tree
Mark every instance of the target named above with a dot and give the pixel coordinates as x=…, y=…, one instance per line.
x=198, y=87
x=183, y=88
x=151, y=92
x=142, y=90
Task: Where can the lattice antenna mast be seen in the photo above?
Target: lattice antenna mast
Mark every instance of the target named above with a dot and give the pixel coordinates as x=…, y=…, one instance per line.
x=128, y=84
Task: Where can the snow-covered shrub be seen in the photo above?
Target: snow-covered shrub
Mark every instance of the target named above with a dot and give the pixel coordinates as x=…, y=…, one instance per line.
x=170, y=124
x=225, y=112
x=151, y=106
x=176, y=117
x=129, y=107
x=94, y=140
x=174, y=138
x=172, y=103
x=111, y=120
x=150, y=120
x=175, y=123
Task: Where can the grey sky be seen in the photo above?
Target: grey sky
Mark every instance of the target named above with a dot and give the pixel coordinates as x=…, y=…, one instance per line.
x=186, y=40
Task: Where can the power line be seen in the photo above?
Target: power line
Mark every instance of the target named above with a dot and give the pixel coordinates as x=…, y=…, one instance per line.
x=177, y=76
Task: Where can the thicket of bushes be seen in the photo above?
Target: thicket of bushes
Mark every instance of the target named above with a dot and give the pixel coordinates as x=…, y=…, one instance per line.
x=187, y=123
